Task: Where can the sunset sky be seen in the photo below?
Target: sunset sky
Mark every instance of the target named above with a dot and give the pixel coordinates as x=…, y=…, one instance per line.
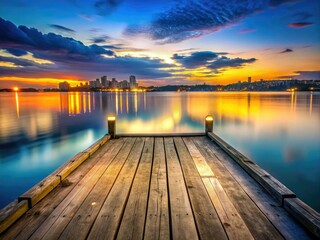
x=161, y=42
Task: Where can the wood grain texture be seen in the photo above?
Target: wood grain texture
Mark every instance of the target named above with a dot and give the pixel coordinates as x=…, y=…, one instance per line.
x=182, y=219
x=27, y=225
x=157, y=222
x=63, y=213
x=271, y=184
x=109, y=217
x=256, y=221
x=11, y=213
x=133, y=220
x=80, y=224
x=229, y=216
x=206, y=217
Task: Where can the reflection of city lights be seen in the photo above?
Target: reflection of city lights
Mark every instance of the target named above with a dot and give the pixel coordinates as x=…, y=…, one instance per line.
x=168, y=124
x=17, y=105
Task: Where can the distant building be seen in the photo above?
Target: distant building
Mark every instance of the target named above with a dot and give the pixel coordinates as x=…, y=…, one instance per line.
x=113, y=83
x=133, y=82
x=94, y=84
x=64, y=86
x=124, y=84
x=104, y=81
x=249, y=80
x=98, y=83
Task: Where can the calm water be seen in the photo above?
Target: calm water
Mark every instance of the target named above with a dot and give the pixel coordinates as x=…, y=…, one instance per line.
x=279, y=131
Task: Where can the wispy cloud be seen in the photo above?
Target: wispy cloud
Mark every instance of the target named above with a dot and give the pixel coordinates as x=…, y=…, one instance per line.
x=300, y=24
x=288, y=50
x=62, y=28
x=196, y=18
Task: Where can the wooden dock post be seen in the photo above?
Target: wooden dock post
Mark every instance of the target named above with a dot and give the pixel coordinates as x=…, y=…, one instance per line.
x=208, y=124
x=112, y=126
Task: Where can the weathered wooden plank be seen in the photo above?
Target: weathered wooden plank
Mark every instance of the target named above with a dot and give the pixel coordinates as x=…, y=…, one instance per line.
x=66, y=209
x=200, y=162
x=160, y=134
x=109, y=217
x=207, y=220
x=11, y=213
x=83, y=219
x=157, y=222
x=29, y=222
x=229, y=216
x=271, y=184
x=182, y=219
x=307, y=216
x=39, y=191
x=133, y=220
x=67, y=168
x=258, y=224
x=95, y=146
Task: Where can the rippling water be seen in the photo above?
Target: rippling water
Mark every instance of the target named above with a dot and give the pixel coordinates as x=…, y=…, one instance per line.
x=279, y=131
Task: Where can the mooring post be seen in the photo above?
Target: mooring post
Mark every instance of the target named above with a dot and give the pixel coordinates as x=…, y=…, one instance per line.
x=209, y=124
x=112, y=126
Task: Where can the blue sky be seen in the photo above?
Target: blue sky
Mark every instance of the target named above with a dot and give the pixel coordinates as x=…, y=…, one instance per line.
x=161, y=42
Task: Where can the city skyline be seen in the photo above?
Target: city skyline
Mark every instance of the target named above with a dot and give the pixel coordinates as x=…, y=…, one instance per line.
x=167, y=42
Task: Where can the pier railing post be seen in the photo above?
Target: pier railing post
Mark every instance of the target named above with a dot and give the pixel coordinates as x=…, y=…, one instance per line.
x=208, y=124
x=112, y=126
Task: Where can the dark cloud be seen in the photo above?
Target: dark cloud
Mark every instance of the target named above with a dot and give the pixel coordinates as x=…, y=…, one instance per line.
x=16, y=52
x=196, y=18
x=100, y=39
x=196, y=59
x=300, y=24
x=276, y=3
x=225, y=62
x=288, y=50
x=62, y=28
x=69, y=56
x=33, y=40
x=105, y=7
x=213, y=61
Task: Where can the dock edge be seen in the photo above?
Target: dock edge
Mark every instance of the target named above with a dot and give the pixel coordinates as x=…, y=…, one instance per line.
x=14, y=210
x=303, y=213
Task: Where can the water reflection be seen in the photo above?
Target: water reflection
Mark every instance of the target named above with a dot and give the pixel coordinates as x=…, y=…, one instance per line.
x=280, y=131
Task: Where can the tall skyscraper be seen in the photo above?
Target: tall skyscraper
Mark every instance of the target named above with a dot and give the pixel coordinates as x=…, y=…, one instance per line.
x=249, y=80
x=104, y=81
x=133, y=82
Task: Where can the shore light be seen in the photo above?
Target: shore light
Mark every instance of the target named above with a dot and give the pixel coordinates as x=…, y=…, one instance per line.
x=208, y=124
x=112, y=126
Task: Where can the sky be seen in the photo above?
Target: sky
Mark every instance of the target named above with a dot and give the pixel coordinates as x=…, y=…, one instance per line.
x=160, y=42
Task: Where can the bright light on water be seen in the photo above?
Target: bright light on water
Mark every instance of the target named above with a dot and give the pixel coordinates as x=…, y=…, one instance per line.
x=279, y=131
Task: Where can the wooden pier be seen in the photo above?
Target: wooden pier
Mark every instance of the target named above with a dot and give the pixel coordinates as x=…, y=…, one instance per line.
x=164, y=187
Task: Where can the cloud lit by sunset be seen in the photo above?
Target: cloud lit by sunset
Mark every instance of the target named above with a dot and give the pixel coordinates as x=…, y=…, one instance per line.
x=161, y=42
